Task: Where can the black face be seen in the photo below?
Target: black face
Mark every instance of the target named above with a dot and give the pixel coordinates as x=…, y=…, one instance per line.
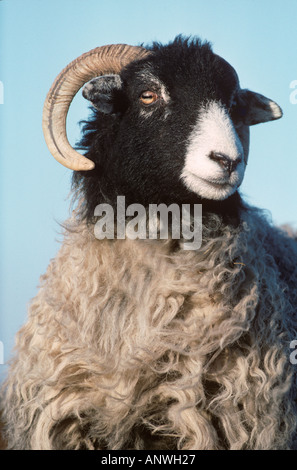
x=139, y=146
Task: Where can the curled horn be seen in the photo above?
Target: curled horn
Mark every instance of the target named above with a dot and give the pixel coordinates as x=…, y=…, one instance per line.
x=99, y=61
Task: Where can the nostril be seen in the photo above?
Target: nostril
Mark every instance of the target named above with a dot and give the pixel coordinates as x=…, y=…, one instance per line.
x=221, y=159
x=224, y=161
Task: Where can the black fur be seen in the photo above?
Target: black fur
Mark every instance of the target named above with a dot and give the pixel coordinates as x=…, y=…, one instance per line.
x=142, y=158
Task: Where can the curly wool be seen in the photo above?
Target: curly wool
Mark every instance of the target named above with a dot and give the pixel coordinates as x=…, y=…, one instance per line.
x=142, y=345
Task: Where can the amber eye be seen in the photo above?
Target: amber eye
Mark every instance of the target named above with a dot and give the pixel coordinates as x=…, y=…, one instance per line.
x=148, y=97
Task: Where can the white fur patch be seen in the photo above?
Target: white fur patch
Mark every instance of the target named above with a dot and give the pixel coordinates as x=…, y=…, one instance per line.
x=213, y=132
x=275, y=110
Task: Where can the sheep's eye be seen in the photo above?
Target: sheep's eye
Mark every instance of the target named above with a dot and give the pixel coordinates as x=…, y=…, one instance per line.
x=148, y=97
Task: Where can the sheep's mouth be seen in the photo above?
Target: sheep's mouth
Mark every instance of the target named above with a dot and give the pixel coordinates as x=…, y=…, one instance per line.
x=217, y=184
x=214, y=189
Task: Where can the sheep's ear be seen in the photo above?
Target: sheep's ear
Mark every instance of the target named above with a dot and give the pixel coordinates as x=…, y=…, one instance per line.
x=255, y=108
x=100, y=92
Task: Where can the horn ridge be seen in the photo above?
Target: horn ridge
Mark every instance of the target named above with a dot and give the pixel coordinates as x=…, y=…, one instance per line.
x=97, y=61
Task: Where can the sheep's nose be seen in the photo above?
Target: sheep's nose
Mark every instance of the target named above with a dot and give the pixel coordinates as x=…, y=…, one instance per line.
x=224, y=161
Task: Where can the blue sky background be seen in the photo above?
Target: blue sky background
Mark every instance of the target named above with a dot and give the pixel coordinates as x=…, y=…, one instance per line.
x=38, y=38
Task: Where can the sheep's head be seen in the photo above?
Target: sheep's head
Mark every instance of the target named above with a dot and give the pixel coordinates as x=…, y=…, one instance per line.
x=171, y=123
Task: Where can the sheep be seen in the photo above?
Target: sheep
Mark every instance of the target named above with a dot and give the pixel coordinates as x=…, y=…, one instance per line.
x=142, y=344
